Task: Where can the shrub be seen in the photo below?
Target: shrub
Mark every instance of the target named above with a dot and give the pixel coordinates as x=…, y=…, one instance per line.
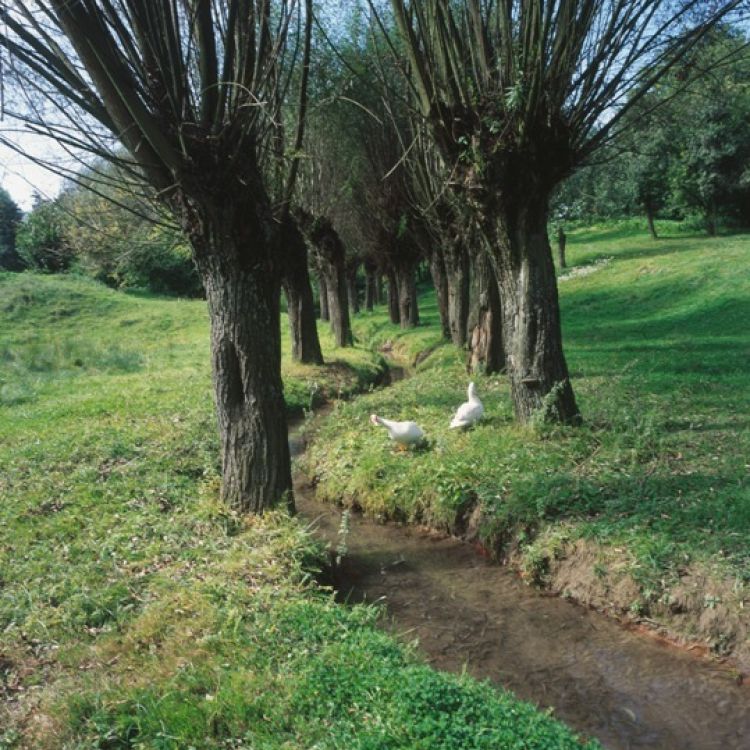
x=40, y=240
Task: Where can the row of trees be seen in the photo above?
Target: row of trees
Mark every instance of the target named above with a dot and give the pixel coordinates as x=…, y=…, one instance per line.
x=131, y=247
x=482, y=110
x=688, y=157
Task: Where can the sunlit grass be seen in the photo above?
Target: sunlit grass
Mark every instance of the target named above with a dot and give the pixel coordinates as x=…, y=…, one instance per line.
x=658, y=344
x=135, y=610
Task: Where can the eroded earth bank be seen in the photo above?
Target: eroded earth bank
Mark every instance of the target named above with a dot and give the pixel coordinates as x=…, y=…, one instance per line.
x=464, y=612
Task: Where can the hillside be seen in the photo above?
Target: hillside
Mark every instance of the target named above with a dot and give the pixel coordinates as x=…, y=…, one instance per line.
x=645, y=510
x=135, y=610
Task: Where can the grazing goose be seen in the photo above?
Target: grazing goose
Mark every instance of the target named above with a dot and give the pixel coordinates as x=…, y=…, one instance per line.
x=470, y=412
x=403, y=434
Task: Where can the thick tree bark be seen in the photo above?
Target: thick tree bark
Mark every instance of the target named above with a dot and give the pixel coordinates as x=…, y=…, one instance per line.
x=407, y=296
x=330, y=259
x=243, y=304
x=394, y=310
x=236, y=247
x=457, y=277
x=370, y=285
x=352, y=267
x=440, y=282
x=338, y=302
x=522, y=260
x=650, y=220
x=299, y=296
x=486, y=352
x=379, y=293
x=562, y=241
x=323, y=297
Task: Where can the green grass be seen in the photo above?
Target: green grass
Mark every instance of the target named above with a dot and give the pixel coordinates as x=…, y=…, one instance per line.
x=136, y=611
x=658, y=344
x=57, y=332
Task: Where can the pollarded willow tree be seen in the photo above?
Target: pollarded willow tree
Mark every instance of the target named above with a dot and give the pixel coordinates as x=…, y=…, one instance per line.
x=186, y=88
x=517, y=94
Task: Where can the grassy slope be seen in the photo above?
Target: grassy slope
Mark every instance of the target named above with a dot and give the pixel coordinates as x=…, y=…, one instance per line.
x=134, y=610
x=658, y=345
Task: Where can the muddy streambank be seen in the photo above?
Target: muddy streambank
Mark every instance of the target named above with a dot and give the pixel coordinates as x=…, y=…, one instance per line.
x=467, y=613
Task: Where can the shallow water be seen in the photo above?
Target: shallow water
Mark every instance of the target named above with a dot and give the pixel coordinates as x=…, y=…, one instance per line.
x=626, y=689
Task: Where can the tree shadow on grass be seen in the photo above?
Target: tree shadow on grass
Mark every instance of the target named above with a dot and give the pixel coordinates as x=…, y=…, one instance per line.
x=586, y=250
x=655, y=309
x=687, y=425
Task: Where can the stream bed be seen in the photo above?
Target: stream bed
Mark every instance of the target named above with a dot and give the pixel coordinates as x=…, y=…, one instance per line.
x=628, y=690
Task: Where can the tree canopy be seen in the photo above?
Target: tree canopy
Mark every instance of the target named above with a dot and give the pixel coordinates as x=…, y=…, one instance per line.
x=10, y=217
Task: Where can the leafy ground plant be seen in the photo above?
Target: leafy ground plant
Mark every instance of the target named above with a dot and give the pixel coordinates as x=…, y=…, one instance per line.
x=135, y=610
x=656, y=479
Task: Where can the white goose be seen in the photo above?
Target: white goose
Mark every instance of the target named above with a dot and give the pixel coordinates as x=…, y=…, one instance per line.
x=470, y=412
x=403, y=434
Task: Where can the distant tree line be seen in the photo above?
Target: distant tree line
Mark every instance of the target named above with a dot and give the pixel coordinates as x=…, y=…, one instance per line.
x=121, y=245
x=10, y=218
x=686, y=159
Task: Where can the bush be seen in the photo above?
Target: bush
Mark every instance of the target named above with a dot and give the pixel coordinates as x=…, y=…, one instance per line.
x=40, y=242
x=128, y=248
x=163, y=266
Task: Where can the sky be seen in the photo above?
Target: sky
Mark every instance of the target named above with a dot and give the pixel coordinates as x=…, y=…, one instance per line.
x=21, y=177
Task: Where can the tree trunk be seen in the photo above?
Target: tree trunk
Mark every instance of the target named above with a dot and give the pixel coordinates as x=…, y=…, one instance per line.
x=338, y=302
x=394, y=310
x=299, y=296
x=457, y=276
x=711, y=220
x=370, y=287
x=522, y=260
x=407, y=296
x=323, y=297
x=486, y=351
x=243, y=304
x=562, y=241
x=351, y=286
x=330, y=258
x=437, y=270
x=379, y=293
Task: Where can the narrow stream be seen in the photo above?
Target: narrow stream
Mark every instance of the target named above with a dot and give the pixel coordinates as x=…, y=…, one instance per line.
x=627, y=690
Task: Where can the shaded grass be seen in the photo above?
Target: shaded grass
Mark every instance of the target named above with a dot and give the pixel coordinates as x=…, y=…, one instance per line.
x=58, y=330
x=657, y=343
x=135, y=610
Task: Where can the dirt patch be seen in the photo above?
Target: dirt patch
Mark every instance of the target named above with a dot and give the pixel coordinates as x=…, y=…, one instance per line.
x=25, y=680
x=712, y=609
x=701, y=610
x=594, y=576
x=468, y=614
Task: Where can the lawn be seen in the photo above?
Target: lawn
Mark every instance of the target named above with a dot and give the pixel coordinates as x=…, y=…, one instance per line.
x=135, y=610
x=653, y=488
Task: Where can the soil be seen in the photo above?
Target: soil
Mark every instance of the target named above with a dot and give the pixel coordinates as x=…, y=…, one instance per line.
x=464, y=612
x=702, y=611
